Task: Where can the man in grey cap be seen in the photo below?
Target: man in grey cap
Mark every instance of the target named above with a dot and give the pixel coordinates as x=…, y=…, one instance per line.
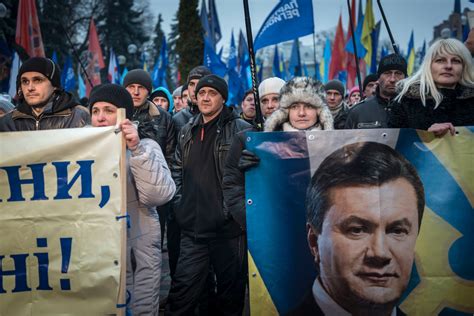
x=373, y=111
x=178, y=105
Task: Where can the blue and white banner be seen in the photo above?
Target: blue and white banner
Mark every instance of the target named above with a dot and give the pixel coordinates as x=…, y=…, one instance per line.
x=288, y=20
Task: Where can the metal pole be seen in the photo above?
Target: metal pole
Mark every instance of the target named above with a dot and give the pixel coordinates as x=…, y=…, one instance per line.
x=394, y=45
x=355, y=46
x=253, y=67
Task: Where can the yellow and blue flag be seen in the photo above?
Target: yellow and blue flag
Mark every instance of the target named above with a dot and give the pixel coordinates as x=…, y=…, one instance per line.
x=367, y=28
x=411, y=55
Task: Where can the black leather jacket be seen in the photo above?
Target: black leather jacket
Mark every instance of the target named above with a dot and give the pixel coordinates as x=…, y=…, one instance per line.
x=229, y=125
x=157, y=124
x=61, y=111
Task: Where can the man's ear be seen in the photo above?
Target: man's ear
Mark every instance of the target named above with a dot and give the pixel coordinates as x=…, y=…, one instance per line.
x=312, y=238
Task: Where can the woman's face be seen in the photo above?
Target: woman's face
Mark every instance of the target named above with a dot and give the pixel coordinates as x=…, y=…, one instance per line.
x=446, y=70
x=355, y=98
x=302, y=116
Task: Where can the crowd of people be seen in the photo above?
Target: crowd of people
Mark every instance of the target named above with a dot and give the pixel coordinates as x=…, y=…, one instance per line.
x=186, y=155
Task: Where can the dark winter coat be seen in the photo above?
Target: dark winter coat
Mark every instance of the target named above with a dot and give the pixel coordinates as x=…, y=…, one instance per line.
x=457, y=107
x=181, y=118
x=62, y=111
x=155, y=123
x=199, y=225
x=370, y=113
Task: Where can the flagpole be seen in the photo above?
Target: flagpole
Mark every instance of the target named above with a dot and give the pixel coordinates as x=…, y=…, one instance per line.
x=394, y=45
x=355, y=46
x=253, y=67
x=76, y=55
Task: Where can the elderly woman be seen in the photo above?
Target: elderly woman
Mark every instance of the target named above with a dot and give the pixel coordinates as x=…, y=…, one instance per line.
x=440, y=95
x=302, y=108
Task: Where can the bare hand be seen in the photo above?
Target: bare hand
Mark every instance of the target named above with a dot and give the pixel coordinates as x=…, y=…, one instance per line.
x=130, y=134
x=440, y=129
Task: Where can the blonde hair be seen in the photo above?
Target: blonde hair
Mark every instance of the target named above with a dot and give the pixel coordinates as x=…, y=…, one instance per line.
x=424, y=78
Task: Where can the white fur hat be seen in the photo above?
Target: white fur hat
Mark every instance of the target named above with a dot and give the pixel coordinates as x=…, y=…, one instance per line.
x=305, y=90
x=270, y=85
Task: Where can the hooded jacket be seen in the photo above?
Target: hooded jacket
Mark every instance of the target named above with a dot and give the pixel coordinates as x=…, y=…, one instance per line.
x=457, y=107
x=61, y=111
x=214, y=223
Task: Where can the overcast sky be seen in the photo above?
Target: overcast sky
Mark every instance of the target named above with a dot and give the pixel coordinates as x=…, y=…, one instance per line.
x=402, y=15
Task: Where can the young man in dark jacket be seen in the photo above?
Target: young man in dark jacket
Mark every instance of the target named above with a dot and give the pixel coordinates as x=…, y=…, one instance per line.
x=43, y=104
x=209, y=236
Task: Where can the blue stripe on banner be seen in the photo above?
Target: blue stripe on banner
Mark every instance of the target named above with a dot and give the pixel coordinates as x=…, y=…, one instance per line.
x=441, y=189
x=284, y=159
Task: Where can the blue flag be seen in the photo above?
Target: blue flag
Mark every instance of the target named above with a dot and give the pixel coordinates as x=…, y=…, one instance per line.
x=326, y=62
x=384, y=52
x=81, y=85
x=295, y=60
x=276, y=64
x=214, y=25
x=423, y=51
x=54, y=57
x=68, y=78
x=212, y=60
x=124, y=73
x=305, y=70
x=243, y=61
x=361, y=51
x=260, y=72
x=375, y=43
x=163, y=65
x=235, y=84
x=232, y=61
x=288, y=20
x=205, y=24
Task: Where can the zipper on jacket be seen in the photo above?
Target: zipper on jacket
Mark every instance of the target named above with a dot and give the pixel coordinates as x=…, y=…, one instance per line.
x=37, y=124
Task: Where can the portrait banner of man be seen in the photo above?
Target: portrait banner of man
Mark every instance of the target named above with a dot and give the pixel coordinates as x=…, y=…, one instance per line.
x=366, y=222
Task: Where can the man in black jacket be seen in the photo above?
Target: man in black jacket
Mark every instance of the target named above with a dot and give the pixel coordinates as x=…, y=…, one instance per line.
x=43, y=104
x=373, y=111
x=209, y=236
x=153, y=122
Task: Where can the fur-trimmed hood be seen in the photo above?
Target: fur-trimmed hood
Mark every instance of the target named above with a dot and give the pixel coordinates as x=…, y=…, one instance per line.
x=305, y=90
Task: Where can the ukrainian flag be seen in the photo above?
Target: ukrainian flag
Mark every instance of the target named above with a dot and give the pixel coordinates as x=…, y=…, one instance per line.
x=367, y=28
x=411, y=55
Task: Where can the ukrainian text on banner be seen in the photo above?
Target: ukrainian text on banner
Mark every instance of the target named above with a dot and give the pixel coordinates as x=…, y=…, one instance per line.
x=376, y=254
x=60, y=249
x=290, y=19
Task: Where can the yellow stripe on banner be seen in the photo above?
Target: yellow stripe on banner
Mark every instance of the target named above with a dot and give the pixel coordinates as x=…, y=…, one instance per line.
x=455, y=153
x=261, y=302
x=439, y=287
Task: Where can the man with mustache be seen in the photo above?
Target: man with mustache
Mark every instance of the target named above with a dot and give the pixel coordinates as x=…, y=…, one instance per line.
x=373, y=111
x=364, y=209
x=42, y=103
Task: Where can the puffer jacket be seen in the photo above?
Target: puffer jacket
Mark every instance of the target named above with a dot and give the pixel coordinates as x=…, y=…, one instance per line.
x=229, y=124
x=457, y=107
x=155, y=123
x=149, y=185
x=61, y=111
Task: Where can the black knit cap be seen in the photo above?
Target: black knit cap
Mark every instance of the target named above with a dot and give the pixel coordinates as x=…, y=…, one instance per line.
x=370, y=78
x=159, y=93
x=138, y=76
x=198, y=72
x=114, y=94
x=214, y=82
x=44, y=66
x=335, y=85
x=392, y=62
x=184, y=88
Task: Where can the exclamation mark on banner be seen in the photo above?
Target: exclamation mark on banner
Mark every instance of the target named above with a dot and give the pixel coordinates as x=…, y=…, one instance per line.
x=66, y=244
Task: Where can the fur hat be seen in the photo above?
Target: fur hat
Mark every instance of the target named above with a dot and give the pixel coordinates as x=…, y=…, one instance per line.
x=270, y=85
x=138, y=76
x=44, y=66
x=305, y=90
x=113, y=94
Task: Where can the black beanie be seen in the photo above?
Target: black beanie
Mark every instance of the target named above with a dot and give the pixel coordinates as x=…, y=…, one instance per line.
x=370, y=78
x=138, y=76
x=335, y=85
x=184, y=88
x=214, y=82
x=392, y=62
x=159, y=93
x=114, y=94
x=44, y=66
x=198, y=72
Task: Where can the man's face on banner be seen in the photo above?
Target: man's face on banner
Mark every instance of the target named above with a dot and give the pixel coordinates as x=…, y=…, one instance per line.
x=366, y=247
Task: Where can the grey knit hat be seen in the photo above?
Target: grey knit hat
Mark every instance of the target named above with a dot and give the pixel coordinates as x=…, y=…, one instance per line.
x=138, y=76
x=304, y=90
x=335, y=85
